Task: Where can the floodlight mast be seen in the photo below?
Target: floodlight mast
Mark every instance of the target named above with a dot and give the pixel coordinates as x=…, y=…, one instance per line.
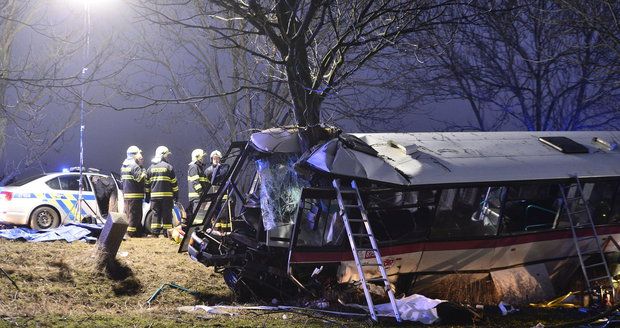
x=87, y=24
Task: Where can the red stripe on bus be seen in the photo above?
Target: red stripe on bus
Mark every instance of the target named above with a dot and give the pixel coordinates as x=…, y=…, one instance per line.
x=300, y=256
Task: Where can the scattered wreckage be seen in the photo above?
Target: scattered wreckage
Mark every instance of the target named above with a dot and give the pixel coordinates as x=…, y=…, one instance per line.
x=527, y=211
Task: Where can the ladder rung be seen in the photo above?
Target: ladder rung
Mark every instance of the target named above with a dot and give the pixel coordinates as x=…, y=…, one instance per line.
x=586, y=238
x=377, y=279
x=573, y=198
x=363, y=249
x=595, y=265
x=590, y=253
x=577, y=212
x=367, y=233
x=591, y=250
x=599, y=278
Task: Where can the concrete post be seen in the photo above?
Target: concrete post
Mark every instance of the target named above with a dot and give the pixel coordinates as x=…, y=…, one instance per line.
x=110, y=238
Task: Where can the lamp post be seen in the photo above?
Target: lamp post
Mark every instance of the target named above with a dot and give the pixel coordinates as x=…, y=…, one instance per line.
x=83, y=75
x=84, y=71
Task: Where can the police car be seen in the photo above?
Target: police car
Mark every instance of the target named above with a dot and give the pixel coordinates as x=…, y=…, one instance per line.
x=46, y=201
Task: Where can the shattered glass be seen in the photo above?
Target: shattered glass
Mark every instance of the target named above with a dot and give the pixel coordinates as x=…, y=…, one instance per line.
x=280, y=189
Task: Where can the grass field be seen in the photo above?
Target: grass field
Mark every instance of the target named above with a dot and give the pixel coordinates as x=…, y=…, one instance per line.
x=59, y=285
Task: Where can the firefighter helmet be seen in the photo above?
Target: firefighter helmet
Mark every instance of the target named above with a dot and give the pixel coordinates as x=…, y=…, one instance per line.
x=161, y=152
x=216, y=153
x=132, y=151
x=197, y=154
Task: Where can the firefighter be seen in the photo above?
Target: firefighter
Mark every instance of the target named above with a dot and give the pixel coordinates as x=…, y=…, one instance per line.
x=133, y=177
x=164, y=191
x=196, y=179
x=215, y=172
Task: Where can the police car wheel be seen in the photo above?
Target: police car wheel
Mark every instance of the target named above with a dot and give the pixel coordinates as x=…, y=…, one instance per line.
x=148, y=218
x=43, y=218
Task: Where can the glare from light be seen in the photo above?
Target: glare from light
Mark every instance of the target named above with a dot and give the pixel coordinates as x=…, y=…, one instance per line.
x=92, y=3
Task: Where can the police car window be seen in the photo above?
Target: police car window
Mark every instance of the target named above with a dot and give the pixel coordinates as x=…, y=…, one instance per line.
x=53, y=183
x=71, y=182
x=86, y=184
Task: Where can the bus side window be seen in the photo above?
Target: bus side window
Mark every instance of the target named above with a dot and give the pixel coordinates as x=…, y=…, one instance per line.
x=313, y=223
x=489, y=211
x=615, y=208
x=454, y=215
x=604, y=201
x=388, y=219
x=406, y=218
x=530, y=208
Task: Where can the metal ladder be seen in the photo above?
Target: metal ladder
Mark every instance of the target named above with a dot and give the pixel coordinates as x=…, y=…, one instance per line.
x=235, y=156
x=574, y=204
x=365, y=233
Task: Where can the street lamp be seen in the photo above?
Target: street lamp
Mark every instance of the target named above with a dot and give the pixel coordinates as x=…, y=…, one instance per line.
x=87, y=7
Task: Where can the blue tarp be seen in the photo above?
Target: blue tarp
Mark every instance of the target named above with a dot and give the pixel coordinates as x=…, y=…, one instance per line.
x=70, y=233
x=95, y=229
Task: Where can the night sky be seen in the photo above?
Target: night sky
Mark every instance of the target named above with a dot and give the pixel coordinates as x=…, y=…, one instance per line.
x=108, y=133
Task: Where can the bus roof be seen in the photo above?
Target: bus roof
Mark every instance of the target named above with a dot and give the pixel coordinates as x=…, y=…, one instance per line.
x=469, y=157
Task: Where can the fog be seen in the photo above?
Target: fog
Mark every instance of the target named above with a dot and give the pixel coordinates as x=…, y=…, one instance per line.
x=106, y=33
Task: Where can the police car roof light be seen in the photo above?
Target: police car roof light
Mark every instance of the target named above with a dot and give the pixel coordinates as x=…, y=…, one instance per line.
x=84, y=169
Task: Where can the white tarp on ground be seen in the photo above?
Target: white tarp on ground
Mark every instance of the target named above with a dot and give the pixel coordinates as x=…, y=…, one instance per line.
x=412, y=308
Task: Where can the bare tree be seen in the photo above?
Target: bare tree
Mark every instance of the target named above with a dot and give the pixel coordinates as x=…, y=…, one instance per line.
x=40, y=79
x=520, y=63
x=222, y=88
x=315, y=47
x=598, y=15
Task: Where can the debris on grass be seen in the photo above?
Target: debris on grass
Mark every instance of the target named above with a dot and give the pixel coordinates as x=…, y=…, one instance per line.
x=566, y=301
x=9, y=277
x=170, y=285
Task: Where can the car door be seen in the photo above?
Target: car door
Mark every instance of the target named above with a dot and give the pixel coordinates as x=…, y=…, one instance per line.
x=67, y=196
x=120, y=200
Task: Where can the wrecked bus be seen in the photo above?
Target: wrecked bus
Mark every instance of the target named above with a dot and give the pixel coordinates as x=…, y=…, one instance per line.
x=521, y=213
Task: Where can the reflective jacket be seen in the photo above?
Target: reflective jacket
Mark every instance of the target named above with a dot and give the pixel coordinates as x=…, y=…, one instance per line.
x=215, y=173
x=162, y=181
x=133, y=177
x=196, y=180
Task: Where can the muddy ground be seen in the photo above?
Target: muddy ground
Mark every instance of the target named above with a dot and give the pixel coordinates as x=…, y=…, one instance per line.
x=58, y=285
